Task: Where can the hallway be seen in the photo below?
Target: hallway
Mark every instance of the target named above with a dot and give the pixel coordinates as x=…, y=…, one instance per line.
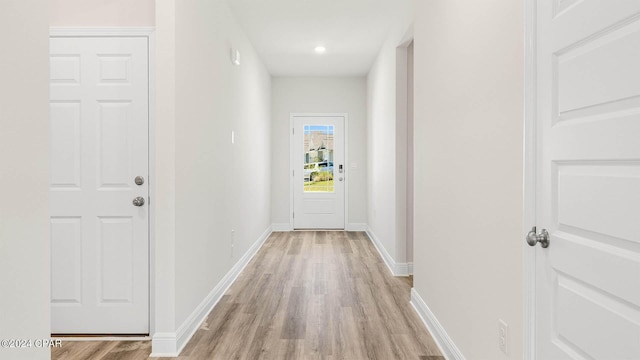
x=305, y=295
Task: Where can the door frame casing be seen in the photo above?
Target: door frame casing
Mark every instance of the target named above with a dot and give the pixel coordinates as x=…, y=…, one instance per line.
x=345, y=116
x=530, y=137
x=147, y=32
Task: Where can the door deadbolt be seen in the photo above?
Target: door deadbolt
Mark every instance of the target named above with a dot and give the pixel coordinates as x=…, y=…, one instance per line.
x=139, y=180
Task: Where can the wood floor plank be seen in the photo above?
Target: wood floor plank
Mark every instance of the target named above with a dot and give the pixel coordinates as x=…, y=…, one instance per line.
x=83, y=350
x=295, y=325
x=305, y=295
x=129, y=350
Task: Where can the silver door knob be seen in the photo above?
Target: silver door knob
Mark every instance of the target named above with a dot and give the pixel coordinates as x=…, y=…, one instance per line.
x=533, y=238
x=139, y=201
x=340, y=179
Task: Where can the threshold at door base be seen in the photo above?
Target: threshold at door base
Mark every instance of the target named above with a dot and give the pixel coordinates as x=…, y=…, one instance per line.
x=102, y=337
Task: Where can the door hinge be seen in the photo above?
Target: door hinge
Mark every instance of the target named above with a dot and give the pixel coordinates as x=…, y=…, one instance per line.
x=293, y=173
x=293, y=131
x=294, y=215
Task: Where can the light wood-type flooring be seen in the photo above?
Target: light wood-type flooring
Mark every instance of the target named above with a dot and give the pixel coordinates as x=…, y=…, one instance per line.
x=305, y=295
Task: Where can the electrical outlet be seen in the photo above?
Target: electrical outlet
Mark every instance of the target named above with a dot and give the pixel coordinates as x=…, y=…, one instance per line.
x=503, y=335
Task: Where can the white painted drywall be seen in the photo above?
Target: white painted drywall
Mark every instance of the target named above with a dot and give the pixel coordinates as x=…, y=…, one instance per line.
x=24, y=176
x=319, y=95
x=386, y=219
x=469, y=81
x=400, y=173
x=162, y=182
x=216, y=187
x=102, y=13
x=410, y=154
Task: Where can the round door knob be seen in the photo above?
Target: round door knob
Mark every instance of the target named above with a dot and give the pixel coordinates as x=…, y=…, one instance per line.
x=534, y=238
x=340, y=179
x=139, y=201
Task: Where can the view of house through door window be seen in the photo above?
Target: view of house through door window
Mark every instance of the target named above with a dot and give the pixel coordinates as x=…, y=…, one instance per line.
x=318, y=158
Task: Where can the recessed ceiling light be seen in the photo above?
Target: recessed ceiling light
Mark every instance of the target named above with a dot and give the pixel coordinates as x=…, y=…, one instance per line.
x=320, y=49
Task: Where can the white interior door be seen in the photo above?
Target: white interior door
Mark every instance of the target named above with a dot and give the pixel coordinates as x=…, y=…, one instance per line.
x=319, y=172
x=99, y=145
x=588, y=179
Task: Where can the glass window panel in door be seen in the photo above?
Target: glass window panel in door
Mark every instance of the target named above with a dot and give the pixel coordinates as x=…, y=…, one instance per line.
x=318, y=158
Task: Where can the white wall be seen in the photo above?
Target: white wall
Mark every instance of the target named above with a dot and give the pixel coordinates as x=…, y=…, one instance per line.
x=202, y=97
x=387, y=177
x=24, y=176
x=319, y=95
x=102, y=12
x=410, y=153
x=162, y=182
x=469, y=81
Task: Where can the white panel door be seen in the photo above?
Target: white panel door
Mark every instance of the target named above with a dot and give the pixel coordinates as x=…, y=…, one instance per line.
x=319, y=172
x=99, y=145
x=588, y=185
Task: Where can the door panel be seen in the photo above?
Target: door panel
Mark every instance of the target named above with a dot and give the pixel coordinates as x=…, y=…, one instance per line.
x=65, y=142
x=115, y=150
x=99, y=144
x=116, y=259
x=319, y=187
x=615, y=325
x=66, y=256
x=588, y=195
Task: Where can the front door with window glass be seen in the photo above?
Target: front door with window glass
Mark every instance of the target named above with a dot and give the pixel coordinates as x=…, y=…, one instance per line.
x=319, y=174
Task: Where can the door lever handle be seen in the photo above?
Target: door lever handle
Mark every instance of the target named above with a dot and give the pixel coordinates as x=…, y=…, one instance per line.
x=533, y=238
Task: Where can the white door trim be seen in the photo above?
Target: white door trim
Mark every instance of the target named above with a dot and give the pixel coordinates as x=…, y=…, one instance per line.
x=64, y=31
x=147, y=32
x=292, y=161
x=530, y=157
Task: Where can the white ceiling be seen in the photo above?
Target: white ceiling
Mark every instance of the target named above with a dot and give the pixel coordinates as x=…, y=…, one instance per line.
x=285, y=33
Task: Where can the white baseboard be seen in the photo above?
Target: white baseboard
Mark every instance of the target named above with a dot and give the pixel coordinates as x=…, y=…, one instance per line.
x=356, y=227
x=283, y=227
x=171, y=344
x=447, y=347
x=403, y=269
x=397, y=269
x=164, y=345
